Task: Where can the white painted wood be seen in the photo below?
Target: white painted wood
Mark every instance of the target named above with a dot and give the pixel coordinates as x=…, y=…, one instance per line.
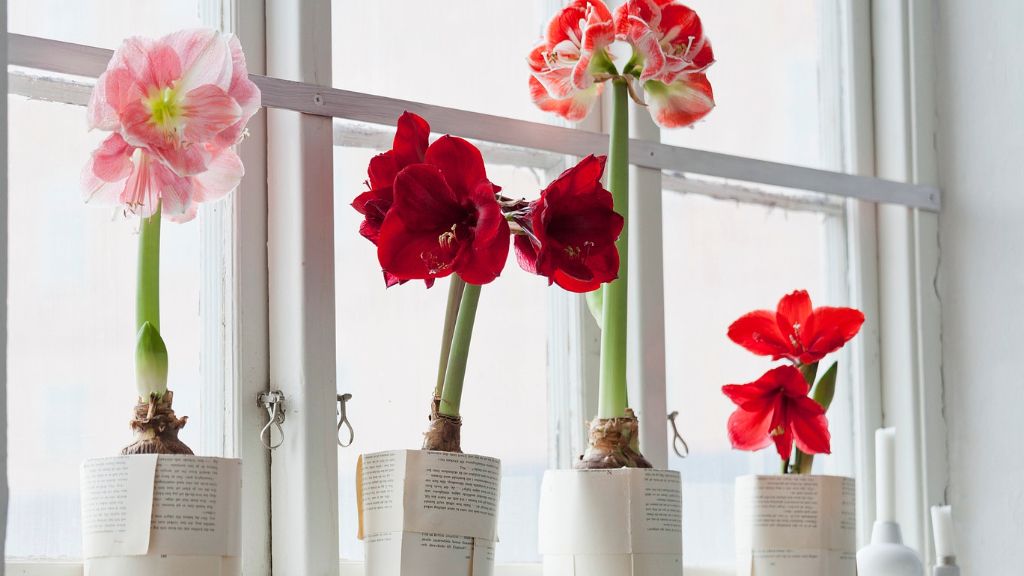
x=356, y=569
x=908, y=263
x=43, y=569
x=934, y=450
x=3, y=293
x=862, y=244
x=646, y=298
x=312, y=99
x=304, y=469
x=247, y=310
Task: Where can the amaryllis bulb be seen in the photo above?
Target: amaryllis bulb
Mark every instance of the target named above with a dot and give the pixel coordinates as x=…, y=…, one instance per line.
x=150, y=363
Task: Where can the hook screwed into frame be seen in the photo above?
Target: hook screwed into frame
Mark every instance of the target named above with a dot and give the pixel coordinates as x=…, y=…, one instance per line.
x=343, y=420
x=273, y=403
x=679, y=445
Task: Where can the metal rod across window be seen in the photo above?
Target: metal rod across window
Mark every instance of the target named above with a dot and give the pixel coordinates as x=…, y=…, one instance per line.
x=88, y=61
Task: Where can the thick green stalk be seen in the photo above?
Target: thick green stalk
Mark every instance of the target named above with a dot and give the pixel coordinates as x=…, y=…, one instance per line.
x=147, y=297
x=612, y=400
x=451, y=395
x=456, y=286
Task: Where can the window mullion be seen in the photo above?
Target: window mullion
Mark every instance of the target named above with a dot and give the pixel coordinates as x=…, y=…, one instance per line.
x=304, y=469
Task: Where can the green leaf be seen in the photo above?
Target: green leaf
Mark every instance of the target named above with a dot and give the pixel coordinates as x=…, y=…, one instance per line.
x=595, y=302
x=150, y=362
x=825, y=389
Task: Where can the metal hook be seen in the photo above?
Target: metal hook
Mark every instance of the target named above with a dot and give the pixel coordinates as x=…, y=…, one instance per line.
x=343, y=421
x=677, y=439
x=273, y=403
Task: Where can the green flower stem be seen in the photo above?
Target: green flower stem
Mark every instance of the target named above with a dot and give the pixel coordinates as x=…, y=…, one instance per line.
x=613, y=399
x=147, y=298
x=456, y=287
x=451, y=395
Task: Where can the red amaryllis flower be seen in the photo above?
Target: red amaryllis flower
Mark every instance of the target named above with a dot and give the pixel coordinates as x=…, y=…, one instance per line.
x=570, y=231
x=408, y=147
x=670, y=56
x=563, y=64
x=776, y=408
x=445, y=218
x=795, y=330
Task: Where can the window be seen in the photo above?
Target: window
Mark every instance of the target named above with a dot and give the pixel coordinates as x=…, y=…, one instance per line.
x=71, y=270
x=731, y=233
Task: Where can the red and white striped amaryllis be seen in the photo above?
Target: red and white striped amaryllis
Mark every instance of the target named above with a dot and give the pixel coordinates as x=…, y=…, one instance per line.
x=571, y=57
x=668, y=64
x=176, y=106
x=670, y=57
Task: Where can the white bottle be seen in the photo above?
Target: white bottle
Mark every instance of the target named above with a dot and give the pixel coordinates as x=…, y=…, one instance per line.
x=886, y=555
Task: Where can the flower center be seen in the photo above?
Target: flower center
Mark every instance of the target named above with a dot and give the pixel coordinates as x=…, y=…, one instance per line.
x=165, y=110
x=777, y=431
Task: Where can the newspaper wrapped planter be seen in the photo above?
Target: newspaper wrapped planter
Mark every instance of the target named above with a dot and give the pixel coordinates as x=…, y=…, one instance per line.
x=622, y=522
x=424, y=513
x=163, y=515
x=796, y=525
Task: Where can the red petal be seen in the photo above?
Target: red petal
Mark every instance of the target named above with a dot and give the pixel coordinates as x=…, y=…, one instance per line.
x=682, y=102
x=460, y=162
x=748, y=429
x=759, y=332
x=573, y=108
x=382, y=171
x=412, y=255
x=411, y=139
x=810, y=426
x=827, y=329
x=792, y=311
x=526, y=254
x=482, y=262
x=424, y=199
x=792, y=381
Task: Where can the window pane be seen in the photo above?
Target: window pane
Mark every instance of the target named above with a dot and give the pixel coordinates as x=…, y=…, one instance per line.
x=71, y=294
x=739, y=257
x=388, y=343
x=769, y=78
x=103, y=23
x=460, y=53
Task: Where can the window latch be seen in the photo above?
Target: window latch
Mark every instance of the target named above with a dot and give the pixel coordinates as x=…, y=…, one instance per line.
x=273, y=403
x=343, y=421
x=678, y=444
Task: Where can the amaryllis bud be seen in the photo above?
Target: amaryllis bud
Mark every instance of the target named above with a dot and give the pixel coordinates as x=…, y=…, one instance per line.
x=150, y=363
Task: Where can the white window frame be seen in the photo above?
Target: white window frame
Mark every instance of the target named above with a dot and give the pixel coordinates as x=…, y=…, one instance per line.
x=893, y=257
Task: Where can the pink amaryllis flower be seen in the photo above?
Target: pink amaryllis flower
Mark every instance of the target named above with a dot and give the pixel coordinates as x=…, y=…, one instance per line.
x=176, y=105
x=569, y=57
x=670, y=56
x=776, y=408
x=795, y=330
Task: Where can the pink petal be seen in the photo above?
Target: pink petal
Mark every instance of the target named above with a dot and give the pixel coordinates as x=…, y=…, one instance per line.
x=222, y=176
x=112, y=161
x=208, y=110
x=175, y=193
x=205, y=58
x=245, y=93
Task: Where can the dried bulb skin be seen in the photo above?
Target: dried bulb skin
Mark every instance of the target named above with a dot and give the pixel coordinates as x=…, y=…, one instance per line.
x=444, y=433
x=614, y=443
x=156, y=428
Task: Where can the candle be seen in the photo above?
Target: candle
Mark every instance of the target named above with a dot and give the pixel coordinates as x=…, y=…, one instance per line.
x=885, y=474
x=942, y=528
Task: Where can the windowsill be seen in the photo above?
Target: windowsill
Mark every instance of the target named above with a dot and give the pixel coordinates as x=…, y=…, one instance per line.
x=44, y=568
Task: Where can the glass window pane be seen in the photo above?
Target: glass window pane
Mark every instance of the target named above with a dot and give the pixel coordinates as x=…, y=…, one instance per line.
x=739, y=257
x=71, y=340
x=768, y=80
x=388, y=343
x=104, y=23
x=460, y=53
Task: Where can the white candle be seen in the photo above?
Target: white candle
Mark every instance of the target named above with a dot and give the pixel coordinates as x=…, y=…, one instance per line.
x=885, y=474
x=942, y=528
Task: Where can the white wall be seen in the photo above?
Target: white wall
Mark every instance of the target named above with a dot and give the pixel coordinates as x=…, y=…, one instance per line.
x=980, y=99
